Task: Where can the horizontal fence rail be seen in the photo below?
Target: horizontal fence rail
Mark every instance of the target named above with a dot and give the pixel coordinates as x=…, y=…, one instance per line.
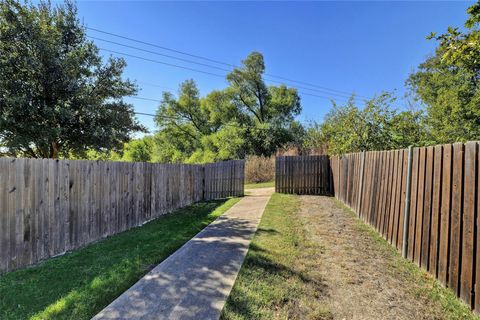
x=303, y=175
x=442, y=231
x=48, y=207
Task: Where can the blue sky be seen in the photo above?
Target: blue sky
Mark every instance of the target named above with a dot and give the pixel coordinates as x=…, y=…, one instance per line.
x=361, y=47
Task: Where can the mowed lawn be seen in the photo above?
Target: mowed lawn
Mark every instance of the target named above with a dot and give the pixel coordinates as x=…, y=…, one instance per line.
x=80, y=284
x=268, y=285
x=312, y=258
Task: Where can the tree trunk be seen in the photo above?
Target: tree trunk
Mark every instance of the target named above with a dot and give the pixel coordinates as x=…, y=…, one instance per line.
x=53, y=150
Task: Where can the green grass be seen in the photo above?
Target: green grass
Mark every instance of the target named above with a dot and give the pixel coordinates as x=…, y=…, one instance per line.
x=271, y=283
x=80, y=284
x=260, y=185
x=427, y=286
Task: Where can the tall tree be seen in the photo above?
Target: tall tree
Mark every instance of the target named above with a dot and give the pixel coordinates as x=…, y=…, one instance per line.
x=57, y=97
x=448, y=83
x=248, y=117
x=268, y=112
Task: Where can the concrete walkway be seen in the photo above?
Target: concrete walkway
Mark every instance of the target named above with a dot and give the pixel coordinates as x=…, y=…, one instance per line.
x=195, y=281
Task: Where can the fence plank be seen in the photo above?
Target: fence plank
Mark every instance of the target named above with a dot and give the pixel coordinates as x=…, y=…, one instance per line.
x=402, y=198
x=456, y=218
x=420, y=199
x=413, y=205
x=468, y=223
x=445, y=210
x=436, y=205
x=427, y=206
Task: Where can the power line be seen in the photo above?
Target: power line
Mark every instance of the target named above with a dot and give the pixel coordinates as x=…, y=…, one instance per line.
x=160, y=54
x=204, y=72
x=142, y=98
x=170, y=117
x=179, y=119
x=156, y=85
x=161, y=62
x=215, y=67
x=210, y=60
x=160, y=47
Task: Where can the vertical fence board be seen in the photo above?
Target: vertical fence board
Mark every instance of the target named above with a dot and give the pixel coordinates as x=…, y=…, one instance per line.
x=436, y=205
x=468, y=223
x=420, y=199
x=427, y=206
x=445, y=210
x=402, y=198
x=413, y=205
x=456, y=218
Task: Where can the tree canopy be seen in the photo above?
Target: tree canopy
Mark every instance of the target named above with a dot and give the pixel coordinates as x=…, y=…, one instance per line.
x=377, y=126
x=247, y=117
x=59, y=99
x=57, y=96
x=448, y=83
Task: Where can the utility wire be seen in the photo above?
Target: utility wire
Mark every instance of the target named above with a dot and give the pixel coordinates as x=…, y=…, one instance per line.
x=214, y=67
x=156, y=85
x=164, y=63
x=161, y=54
x=173, y=118
x=208, y=59
x=160, y=47
x=180, y=119
x=205, y=72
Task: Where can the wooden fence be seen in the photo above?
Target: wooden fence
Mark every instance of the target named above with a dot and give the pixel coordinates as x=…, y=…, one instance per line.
x=303, y=175
x=224, y=179
x=49, y=206
x=443, y=206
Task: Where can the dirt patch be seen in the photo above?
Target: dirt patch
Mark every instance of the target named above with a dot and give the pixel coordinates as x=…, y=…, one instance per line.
x=360, y=276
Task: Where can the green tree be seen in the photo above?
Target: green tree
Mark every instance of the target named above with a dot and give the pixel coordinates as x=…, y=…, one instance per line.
x=378, y=126
x=182, y=123
x=138, y=150
x=245, y=118
x=448, y=83
x=268, y=113
x=57, y=97
x=409, y=129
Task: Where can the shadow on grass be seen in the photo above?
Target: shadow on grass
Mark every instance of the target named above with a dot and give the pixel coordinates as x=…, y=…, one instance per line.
x=79, y=284
x=267, y=230
x=267, y=283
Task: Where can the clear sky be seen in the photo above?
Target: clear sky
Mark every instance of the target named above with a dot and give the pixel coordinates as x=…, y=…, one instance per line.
x=361, y=47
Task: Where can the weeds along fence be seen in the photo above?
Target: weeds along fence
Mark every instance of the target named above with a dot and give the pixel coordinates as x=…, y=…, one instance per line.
x=49, y=206
x=434, y=206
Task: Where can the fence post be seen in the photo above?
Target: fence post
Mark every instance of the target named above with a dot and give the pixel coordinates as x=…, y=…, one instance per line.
x=406, y=215
x=360, y=194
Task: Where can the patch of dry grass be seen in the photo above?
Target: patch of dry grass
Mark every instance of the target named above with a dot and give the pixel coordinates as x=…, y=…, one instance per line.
x=259, y=169
x=442, y=302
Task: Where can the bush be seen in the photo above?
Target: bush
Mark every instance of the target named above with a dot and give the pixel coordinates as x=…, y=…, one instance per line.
x=259, y=169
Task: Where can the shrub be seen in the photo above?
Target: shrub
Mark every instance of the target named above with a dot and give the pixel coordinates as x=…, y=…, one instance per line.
x=259, y=169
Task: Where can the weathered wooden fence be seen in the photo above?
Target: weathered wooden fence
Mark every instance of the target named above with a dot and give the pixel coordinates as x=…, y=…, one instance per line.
x=443, y=207
x=49, y=206
x=224, y=179
x=303, y=175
